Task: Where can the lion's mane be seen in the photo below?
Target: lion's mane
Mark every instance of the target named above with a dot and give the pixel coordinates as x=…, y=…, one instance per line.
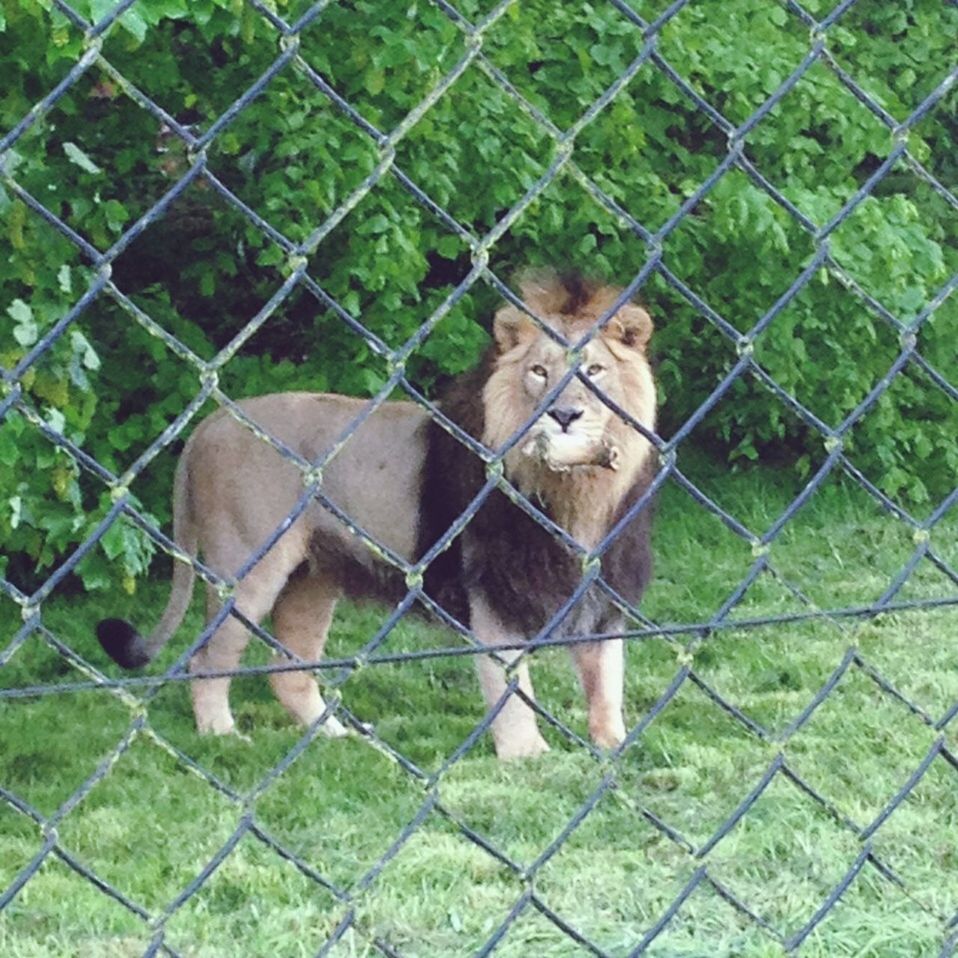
x=505, y=553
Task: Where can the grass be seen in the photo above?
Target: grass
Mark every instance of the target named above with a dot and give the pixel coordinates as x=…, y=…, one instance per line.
x=150, y=823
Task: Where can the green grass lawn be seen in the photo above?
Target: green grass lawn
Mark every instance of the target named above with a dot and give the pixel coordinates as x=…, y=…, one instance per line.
x=149, y=822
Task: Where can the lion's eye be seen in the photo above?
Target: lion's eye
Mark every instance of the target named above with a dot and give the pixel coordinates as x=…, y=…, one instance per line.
x=539, y=371
x=594, y=369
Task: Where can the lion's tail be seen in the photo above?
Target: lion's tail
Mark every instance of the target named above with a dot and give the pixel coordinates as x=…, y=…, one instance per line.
x=120, y=639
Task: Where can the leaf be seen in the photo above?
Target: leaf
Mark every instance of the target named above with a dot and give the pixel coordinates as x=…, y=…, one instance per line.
x=374, y=82
x=163, y=9
x=56, y=420
x=100, y=9
x=9, y=448
x=77, y=156
x=114, y=540
x=94, y=572
x=374, y=225
x=26, y=331
x=116, y=215
x=134, y=24
x=20, y=311
x=84, y=357
x=778, y=16
x=449, y=247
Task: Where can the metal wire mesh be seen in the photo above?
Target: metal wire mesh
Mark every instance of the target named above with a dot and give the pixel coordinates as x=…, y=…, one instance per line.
x=138, y=692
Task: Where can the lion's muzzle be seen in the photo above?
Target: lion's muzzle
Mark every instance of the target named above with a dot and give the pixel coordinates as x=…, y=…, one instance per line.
x=563, y=451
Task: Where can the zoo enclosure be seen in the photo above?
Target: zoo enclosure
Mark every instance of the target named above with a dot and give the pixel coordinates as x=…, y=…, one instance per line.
x=185, y=148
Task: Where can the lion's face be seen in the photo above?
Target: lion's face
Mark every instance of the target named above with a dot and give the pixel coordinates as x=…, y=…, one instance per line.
x=572, y=431
x=575, y=428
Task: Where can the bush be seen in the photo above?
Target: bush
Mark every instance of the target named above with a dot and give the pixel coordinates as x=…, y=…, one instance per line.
x=203, y=270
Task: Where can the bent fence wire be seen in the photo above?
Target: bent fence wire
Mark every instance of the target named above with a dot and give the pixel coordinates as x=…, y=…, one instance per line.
x=138, y=691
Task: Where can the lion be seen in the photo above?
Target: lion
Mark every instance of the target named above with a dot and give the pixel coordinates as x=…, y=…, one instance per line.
x=404, y=479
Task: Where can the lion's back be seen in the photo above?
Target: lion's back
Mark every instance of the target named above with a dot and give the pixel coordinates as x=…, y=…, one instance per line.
x=252, y=469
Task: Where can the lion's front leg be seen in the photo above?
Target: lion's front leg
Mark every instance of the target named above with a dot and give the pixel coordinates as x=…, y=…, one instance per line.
x=514, y=729
x=601, y=667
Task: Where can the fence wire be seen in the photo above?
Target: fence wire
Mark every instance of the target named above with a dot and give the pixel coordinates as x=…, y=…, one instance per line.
x=137, y=692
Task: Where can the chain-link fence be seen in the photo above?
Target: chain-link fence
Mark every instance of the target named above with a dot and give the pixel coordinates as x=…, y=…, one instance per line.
x=138, y=693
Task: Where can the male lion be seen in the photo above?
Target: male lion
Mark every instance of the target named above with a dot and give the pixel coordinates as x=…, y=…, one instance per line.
x=404, y=479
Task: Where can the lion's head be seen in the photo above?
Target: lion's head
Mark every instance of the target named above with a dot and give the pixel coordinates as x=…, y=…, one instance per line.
x=578, y=446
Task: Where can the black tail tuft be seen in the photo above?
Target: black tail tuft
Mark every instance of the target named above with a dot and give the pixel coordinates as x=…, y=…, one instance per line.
x=122, y=643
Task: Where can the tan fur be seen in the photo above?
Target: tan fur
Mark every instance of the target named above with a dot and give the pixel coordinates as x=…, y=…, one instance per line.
x=234, y=490
x=240, y=490
x=586, y=497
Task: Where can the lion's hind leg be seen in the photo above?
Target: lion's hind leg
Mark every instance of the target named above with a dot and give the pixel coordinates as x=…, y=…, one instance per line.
x=254, y=596
x=301, y=619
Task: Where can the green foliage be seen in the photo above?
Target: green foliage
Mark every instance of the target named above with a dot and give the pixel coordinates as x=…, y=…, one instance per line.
x=203, y=271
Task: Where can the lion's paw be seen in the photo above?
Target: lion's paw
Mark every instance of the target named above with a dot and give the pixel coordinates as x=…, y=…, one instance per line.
x=514, y=748
x=608, y=735
x=231, y=733
x=216, y=723
x=333, y=728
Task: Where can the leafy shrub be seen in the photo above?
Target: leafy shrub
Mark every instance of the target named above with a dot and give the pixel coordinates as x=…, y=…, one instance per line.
x=203, y=270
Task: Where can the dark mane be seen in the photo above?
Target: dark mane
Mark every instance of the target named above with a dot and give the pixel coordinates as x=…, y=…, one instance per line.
x=579, y=292
x=509, y=556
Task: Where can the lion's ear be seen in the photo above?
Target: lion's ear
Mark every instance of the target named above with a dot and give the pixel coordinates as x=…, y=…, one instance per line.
x=631, y=326
x=511, y=326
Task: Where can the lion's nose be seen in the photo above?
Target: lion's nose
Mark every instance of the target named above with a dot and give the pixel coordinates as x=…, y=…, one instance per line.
x=565, y=416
